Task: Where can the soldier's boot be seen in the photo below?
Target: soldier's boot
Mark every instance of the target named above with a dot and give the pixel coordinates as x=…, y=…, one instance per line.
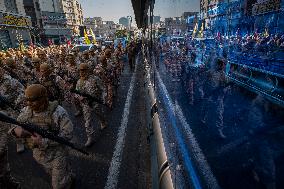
x=90, y=141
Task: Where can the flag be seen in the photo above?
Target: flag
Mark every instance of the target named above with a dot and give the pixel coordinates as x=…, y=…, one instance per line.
x=201, y=31
x=87, y=40
x=266, y=33
x=93, y=36
x=195, y=29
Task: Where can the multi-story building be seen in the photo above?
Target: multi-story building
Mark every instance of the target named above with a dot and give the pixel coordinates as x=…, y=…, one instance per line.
x=32, y=9
x=175, y=26
x=14, y=24
x=74, y=14
x=95, y=23
x=54, y=22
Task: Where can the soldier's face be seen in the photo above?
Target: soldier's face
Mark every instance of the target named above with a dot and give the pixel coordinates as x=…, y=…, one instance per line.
x=84, y=74
x=44, y=72
x=37, y=104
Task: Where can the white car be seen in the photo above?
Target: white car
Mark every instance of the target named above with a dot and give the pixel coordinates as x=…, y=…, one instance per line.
x=85, y=47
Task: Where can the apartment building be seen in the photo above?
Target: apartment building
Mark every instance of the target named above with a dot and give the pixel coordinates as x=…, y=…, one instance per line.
x=15, y=25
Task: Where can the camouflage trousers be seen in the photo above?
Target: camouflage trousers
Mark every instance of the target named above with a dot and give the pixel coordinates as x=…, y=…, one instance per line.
x=54, y=161
x=87, y=113
x=216, y=110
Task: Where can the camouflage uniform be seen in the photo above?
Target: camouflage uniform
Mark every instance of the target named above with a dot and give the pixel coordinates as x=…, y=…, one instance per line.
x=13, y=91
x=53, y=84
x=91, y=86
x=215, y=103
x=51, y=155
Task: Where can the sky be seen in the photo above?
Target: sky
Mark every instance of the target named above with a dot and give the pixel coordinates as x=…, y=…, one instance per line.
x=115, y=9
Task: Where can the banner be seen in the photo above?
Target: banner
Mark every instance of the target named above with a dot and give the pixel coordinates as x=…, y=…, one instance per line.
x=14, y=20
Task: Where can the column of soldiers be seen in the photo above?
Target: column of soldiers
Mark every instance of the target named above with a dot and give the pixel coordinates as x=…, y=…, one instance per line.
x=34, y=85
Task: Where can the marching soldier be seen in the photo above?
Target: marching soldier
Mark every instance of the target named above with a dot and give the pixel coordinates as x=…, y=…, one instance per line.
x=13, y=92
x=51, y=82
x=91, y=86
x=51, y=116
x=216, y=95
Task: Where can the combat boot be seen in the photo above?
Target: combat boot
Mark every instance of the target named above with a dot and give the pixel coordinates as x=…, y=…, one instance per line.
x=90, y=141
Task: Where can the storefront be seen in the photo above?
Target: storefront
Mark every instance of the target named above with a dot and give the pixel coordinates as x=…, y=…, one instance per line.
x=55, y=28
x=14, y=29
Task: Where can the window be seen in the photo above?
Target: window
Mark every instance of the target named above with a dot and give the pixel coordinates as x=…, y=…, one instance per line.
x=11, y=6
x=37, y=6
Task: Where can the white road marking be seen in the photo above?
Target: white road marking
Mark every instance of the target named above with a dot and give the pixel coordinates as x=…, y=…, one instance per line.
x=199, y=157
x=114, y=168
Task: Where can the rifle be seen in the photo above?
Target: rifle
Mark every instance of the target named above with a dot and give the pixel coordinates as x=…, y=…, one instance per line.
x=42, y=132
x=5, y=103
x=90, y=98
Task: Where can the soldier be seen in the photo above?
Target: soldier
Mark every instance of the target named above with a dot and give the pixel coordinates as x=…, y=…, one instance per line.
x=71, y=79
x=51, y=82
x=216, y=93
x=131, y=55
x=93, y=87
x=13, y=92
x=51, y=116
x=6, y=180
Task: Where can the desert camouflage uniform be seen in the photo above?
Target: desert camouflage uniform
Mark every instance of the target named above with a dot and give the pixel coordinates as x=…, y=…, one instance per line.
x=53, y=84
x=51, y=155
x=13, y=91
x=92, y=86
x=215, y=103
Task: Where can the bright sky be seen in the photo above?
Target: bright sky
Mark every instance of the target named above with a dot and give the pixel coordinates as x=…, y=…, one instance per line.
x=114, y=9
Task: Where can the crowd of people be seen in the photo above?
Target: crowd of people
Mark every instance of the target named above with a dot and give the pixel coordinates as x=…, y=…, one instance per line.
x=35, y=83
x=201, y=65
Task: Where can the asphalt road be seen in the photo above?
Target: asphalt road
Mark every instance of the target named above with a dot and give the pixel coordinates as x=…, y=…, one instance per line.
x=120, y=157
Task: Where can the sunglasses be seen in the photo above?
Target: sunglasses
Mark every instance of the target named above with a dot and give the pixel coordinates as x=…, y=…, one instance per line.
x=33, y=99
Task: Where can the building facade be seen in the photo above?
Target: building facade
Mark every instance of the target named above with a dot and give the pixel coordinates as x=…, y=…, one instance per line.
x=96, y=24
x=74, y=14
x=54, y=22
x=15, y=25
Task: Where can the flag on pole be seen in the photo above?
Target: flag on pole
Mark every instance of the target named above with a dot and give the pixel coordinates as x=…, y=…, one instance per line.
x=87, y=40
x=195, y=29
x=93, y=36
x=201, y=31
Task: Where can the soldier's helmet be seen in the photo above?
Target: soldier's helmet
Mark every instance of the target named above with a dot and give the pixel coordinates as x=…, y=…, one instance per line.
x=45, y=69
x=84, y=67
x=108, y=52
x=35, y=92
x=10, y=62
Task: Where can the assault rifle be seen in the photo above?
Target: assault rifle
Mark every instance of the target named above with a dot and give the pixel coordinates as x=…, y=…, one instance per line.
x=4, y=103
x=90, y=98
x=42, y=132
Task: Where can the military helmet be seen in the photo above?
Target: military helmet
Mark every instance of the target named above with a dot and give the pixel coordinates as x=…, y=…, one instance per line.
x=35, y=92
x=83, y=67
